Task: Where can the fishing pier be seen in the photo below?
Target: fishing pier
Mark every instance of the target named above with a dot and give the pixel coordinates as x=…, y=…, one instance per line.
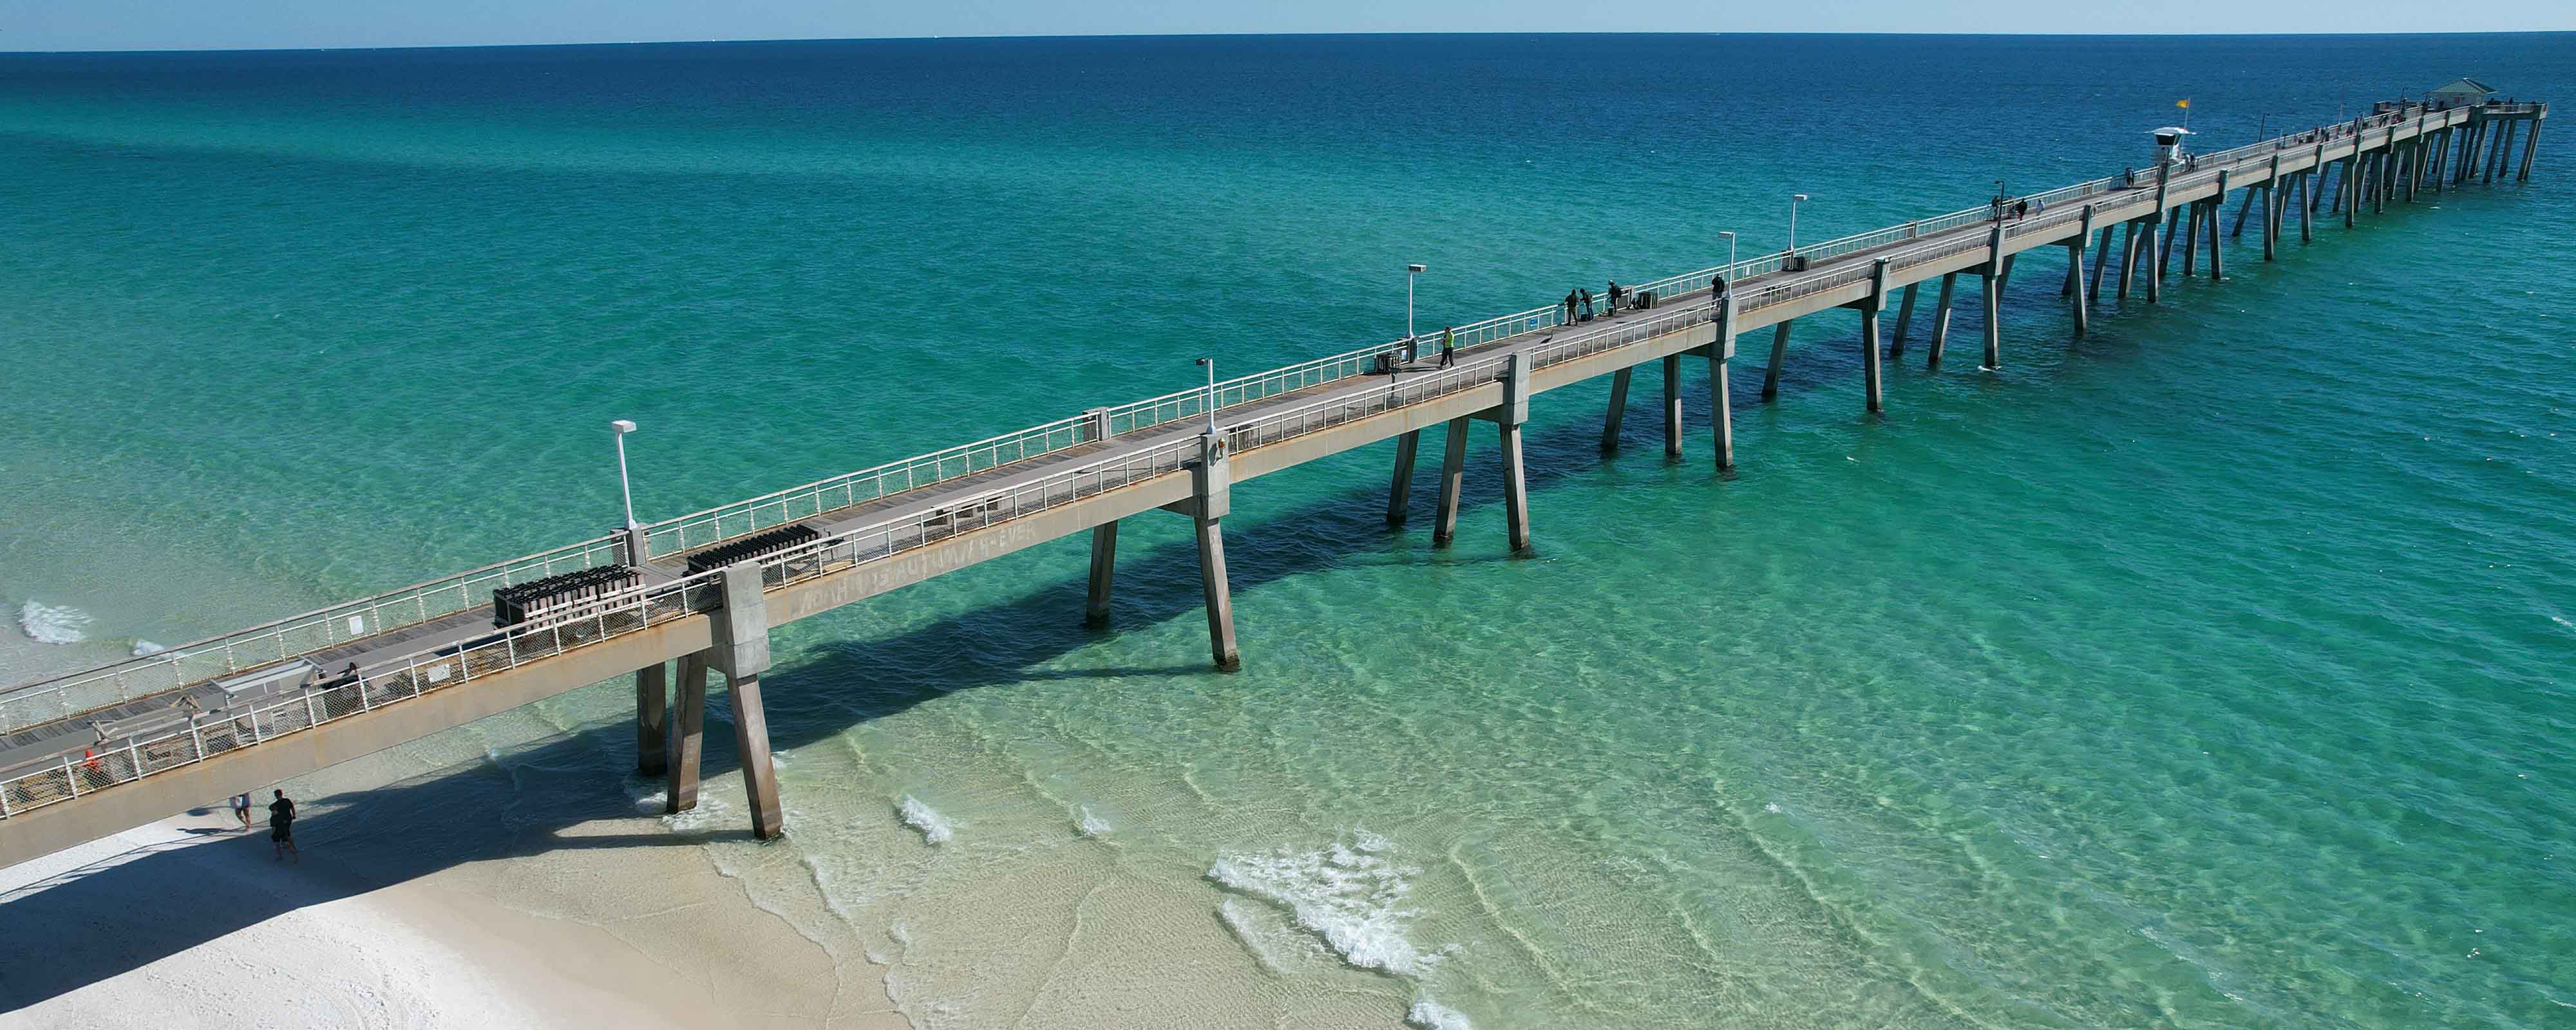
x=673, y=602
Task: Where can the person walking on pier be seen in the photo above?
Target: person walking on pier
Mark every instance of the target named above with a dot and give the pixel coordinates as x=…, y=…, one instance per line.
x=281, y=827
x=1587, y=304
x=1717, y=287
x=1615, y=294
x=1448, y=346
x=1570, y=300
x=2021, y=210
x=241, y=809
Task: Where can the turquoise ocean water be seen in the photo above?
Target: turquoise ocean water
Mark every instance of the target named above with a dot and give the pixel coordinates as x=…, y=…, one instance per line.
x=2206, y=672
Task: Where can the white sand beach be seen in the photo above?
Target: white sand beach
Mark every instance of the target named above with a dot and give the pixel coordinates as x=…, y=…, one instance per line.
x=192, y=923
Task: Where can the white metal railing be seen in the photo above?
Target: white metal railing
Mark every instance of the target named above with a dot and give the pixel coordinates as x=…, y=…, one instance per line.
x=1761, y=284
x=284, y=639
x=714, y=525
x=391, y=681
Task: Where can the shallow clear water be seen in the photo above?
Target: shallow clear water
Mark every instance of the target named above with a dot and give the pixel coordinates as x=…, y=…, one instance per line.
x=2208, y=671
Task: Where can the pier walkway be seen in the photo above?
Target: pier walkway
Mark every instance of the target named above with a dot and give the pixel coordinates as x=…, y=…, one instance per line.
x=98, y=751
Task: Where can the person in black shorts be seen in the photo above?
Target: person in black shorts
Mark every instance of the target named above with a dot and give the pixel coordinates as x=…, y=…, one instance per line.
x=281, y=827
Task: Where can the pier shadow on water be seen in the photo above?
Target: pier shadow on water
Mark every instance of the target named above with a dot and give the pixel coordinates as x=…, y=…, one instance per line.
x=97, y=921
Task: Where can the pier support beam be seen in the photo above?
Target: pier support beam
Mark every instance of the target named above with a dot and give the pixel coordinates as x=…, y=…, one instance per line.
x=1609, y=422
x=1672, y=405
x=2101, y=260
x=688, y=735
x=1104, y=565
x=1940, y=321
x=652, y=717
x=1211, y=497
x=2307, y=207
x=2158, y=230
x=2191, y=238
x=1991, y=280
x=2529, y=144
x=1399, y=488
x=2217, y=262
x=1721, y=407
x=1514, y=411
x=2348, y=189
x=2128, y=257
x=1780, y=353
x=2273, y=198
x=2238, y=230
x=1905, y=319
x=1869, y=309
x=741, y=652
x=1453, y=474
x=2075, y=272
x=2503, y=149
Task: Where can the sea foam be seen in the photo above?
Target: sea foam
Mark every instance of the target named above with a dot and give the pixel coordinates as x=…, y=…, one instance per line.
x=1092, y=825
x=52, y=624
x=1431, y=1015
x=1352, y=897
x=934, y=827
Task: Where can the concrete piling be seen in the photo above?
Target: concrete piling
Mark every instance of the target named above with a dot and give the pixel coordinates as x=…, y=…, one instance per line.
x=1399, y=488
x=1869, y=309
x=1104, y=566
x=688, y=735
x=2075, y=271
x=1453, y=473
x=1721, y=406
x=1940, y=321
x=1905, y=319
x=652, y=722
x=1211, y=490
x=1618, y=412
x=1672, y=405
x=1780, y=353
x=1514, y=411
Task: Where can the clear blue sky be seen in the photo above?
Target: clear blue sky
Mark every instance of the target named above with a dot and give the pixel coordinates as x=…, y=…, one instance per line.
x=228, y=24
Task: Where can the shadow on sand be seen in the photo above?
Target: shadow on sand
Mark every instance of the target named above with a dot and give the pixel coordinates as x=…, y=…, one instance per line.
x=350, y=850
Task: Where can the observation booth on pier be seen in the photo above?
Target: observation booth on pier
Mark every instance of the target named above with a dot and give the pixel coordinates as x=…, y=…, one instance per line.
x=2463, y=92
x=2169, y=144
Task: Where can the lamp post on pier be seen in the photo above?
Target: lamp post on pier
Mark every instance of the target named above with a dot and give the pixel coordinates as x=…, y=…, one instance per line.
x=623, y=427
x=1210, y=365
x=1795, y=199
x=1410, y=271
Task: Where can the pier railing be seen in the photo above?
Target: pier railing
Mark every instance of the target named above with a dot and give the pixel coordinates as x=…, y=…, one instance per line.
x=270, y=643
x=379, y=684
x=248, y=649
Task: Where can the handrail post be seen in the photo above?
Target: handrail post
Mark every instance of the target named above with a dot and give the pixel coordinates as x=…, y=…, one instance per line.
x=70, y=779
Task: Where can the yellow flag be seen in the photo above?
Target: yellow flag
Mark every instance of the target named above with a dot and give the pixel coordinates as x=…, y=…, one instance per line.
x=2184, y=102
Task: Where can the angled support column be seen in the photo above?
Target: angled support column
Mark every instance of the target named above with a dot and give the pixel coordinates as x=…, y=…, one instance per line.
x=2530, y=144
x=2217, y=261
x=741, y=652
x=2191, y=237
x=1104, y=547
x=2238, y=230
x=1514, y=411
x=1940, y=321
x=2128, y=257
x=1869, y=309
x=652, y=717
x=1905, y=318
x=688, y=735
x=1618, y=411
x=1721, y=407
x=1104, y=566
x=2273, y=198
x=1780, y=353
x=2307, y=207
x=2503, y=147
x=2101, y=260
x=1672, y=405
x=1991, y=280
x=1399, y=489
x=1211, y=497
x=2075, y=271
x=1453, y=474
